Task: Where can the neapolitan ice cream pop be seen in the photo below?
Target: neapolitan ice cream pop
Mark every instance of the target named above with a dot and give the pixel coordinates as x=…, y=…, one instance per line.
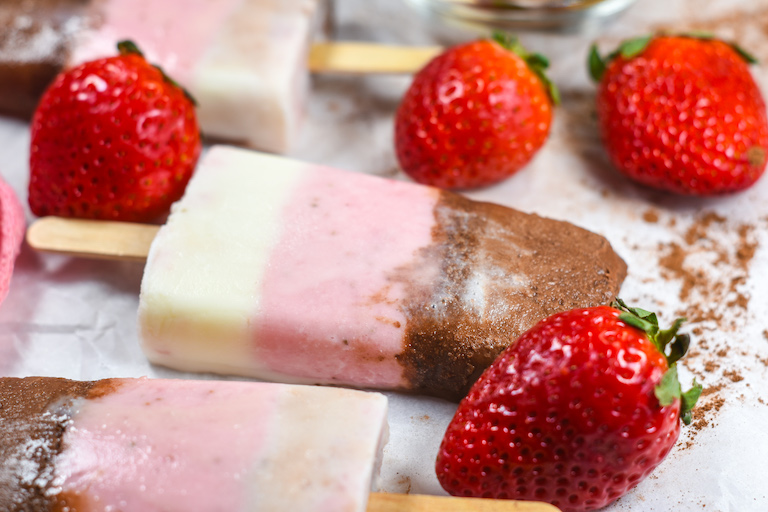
x=139, y=445
x=282, y=270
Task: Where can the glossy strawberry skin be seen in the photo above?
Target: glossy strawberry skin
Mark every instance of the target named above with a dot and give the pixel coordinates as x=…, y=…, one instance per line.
x=566, y=415
x=686, y=116
x=112, y=139
x=472, y=117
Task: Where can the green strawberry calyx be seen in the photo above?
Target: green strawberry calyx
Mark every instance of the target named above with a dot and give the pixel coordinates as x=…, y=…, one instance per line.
x=128, y=47
x=536, y=62
x=631, y=48
x=673, y=346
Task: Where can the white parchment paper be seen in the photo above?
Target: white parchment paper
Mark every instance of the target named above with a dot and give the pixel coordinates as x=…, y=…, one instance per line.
x=76, y=318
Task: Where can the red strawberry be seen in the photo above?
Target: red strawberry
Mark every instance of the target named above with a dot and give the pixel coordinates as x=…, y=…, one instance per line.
x=112, y=139
x=578, y=411
x=682, y=113
x=474, y=115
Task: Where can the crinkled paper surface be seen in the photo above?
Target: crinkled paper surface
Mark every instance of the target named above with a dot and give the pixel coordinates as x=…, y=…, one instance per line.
x=706, y=259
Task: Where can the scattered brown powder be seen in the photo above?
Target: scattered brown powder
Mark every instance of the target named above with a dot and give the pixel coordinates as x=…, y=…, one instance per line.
x=711, y=261
x=405, y=484
x=651, y=216
x=705, y=413
x=710, y=258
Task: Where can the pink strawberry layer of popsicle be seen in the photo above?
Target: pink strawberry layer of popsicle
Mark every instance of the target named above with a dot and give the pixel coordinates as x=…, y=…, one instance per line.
x=281, y=270
x=138, y=445
x=12, y=227
x=243, y=60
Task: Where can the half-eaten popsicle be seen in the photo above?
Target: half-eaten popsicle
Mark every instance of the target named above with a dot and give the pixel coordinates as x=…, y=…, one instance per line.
x=138, y=445
x=278, y=269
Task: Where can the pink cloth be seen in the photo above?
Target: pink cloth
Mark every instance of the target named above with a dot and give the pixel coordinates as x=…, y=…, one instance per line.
x=12, y=227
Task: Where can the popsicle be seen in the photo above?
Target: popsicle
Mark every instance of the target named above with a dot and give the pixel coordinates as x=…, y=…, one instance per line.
x=278, y=269
x=12, y=227
x=138, y=445
x=245, y=61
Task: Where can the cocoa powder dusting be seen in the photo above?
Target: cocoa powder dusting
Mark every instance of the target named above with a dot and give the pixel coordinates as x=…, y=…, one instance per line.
x=651, y=216
x=712, y=265
x=710, y=259
x=34, y=414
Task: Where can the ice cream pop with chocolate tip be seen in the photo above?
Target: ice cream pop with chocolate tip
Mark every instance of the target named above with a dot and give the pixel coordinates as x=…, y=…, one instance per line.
x=282, y=270
x=12, y=227
x=139, y=445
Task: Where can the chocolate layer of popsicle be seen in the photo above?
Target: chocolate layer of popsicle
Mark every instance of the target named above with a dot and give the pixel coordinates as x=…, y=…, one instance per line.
x=534, y=267
x=35, y=43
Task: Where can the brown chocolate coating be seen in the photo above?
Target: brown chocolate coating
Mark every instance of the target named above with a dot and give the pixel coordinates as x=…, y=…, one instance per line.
x=34, y=414
x=502, y=271
x=35, y=42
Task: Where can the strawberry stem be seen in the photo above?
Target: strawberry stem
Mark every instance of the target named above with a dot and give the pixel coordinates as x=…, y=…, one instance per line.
x=673, y=346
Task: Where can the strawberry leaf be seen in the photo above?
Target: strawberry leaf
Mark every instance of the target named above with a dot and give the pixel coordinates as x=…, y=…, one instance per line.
x=744, y=54
x=627, y=49
x=128, y=47
x=678, y=348
x=634, y=47
x=668, y=389
x=689, y=399
x=635, y=321
x=596, y=63
x=699, y=34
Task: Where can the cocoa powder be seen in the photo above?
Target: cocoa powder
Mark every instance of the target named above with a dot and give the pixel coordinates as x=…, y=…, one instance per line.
x=710, y=258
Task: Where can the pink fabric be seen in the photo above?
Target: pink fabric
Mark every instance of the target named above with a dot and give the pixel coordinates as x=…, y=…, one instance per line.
x=12, y=227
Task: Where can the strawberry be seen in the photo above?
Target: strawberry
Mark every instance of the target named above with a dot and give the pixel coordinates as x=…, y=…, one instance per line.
x=682, y=114
x=113, y=139
x=474, y=115
x=579, y=410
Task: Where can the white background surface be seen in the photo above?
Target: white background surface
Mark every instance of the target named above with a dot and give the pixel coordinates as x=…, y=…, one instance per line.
x=76, y=318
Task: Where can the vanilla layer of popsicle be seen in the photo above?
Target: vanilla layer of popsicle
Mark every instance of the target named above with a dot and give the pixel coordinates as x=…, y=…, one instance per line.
x=136, y=445
x=278, y=269
x=243, y=60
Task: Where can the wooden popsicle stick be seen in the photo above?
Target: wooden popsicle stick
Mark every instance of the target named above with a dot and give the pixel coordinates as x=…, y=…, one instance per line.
x=385, y=502
x=92, y=238
x=366, y=58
